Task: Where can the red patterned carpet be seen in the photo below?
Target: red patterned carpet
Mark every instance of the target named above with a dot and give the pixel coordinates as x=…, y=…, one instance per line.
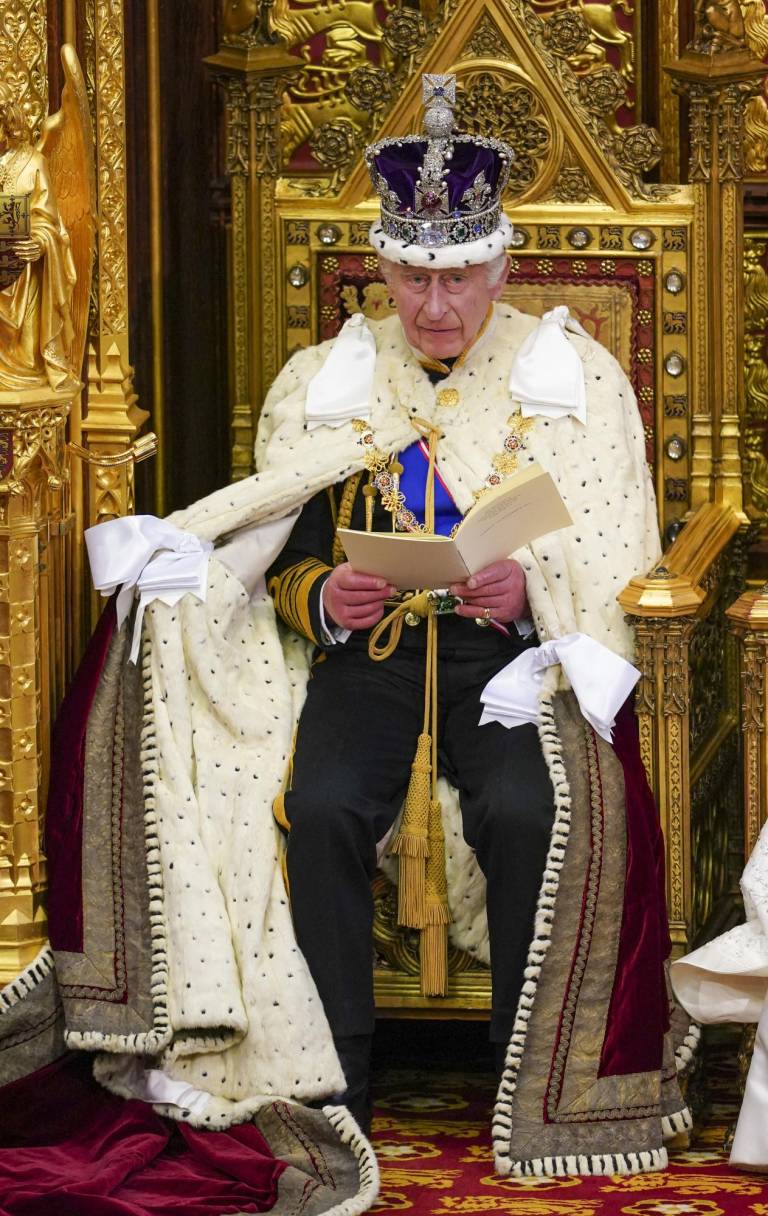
x=432, y=1137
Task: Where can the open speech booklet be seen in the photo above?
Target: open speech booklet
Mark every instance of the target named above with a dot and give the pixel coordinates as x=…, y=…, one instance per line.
x=525, y=506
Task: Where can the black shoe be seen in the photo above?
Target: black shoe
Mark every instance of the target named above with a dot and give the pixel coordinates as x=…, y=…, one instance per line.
x=354, y=1052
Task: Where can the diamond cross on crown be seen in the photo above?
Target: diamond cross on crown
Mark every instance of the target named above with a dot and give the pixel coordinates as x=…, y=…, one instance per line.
x=439, y=187
x=438, y=89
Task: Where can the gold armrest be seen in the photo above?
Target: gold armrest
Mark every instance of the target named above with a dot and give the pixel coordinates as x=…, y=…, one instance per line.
x=674, y=587
x=141, y=449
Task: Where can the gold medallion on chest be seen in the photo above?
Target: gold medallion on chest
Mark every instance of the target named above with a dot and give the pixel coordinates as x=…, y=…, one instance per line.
x=448, y=397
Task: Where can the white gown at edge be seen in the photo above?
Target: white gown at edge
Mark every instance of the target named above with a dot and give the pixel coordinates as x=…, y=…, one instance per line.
x=727, y=981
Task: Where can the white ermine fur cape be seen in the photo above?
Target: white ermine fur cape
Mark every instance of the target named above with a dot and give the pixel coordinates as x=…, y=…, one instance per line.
x=226, y=684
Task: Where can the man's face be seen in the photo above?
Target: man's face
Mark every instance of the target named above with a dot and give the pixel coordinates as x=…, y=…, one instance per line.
x=441, y=311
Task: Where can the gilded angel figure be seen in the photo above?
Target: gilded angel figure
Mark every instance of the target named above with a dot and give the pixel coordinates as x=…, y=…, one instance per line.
x=43, y=310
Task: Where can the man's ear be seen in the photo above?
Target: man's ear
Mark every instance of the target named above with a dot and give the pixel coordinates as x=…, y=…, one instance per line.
x=385, y=269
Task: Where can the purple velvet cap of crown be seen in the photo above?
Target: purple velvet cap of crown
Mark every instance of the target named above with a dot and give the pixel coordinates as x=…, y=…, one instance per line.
x=399, y=162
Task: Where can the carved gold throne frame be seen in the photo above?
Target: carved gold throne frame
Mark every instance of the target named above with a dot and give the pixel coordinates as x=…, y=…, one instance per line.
x=649, y=270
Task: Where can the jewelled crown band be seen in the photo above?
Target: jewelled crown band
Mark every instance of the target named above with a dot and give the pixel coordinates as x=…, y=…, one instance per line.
x=440, y=192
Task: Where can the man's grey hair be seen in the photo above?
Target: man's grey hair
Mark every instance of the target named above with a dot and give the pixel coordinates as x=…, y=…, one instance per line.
x=495, y=270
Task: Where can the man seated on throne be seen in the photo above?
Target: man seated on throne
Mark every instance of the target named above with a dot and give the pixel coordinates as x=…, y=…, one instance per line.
x=480, y=405
x=496, y=713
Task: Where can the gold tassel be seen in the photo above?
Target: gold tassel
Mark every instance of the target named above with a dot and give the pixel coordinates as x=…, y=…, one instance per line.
x=433, y=945
x=420, y=844
x=433, y=960
x=344, y=516
x=411, y=845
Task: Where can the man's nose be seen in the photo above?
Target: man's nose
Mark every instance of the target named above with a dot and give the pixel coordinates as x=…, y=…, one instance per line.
x=435, y=304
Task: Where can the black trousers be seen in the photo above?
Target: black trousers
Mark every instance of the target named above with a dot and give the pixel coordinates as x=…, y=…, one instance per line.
x=352, y=758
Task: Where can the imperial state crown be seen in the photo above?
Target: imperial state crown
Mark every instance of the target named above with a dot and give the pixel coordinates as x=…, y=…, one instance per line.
x=440, y=192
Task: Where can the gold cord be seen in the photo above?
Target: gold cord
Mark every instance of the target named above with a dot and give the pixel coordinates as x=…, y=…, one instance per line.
x=416, y=605
x=420, y=843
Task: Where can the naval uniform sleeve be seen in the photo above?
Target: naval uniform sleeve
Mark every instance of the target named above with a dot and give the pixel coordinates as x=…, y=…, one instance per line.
x=296, y=577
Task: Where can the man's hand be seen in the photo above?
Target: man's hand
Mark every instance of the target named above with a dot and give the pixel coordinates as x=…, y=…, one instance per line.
x=500, y=587
x=355, y=601
x=27, y=249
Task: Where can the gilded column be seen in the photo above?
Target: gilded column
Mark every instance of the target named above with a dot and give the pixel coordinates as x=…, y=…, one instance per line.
x=251, y=66
x=665, y=608
x=113, y=416
x=33, y=491
x=718, y=73
x=663, y=708
x=668, y=17
x=156, y=216
x=749, y=623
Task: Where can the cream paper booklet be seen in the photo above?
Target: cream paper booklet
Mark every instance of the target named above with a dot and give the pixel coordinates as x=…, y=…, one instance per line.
x=525, y=506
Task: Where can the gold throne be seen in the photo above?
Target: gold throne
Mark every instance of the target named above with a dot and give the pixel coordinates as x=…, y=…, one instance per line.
x=640, y=265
